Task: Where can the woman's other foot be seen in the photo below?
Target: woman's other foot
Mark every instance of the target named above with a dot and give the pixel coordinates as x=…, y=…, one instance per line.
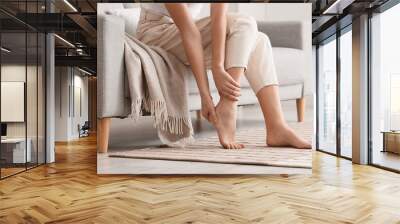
x=226, y=125
x=285, y=137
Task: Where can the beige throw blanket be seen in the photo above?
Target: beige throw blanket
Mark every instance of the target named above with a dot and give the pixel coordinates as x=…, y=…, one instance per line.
x=157, y=84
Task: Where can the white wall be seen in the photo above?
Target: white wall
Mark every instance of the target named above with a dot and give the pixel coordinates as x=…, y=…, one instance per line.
x=62, y=81
x=34, y=126
x=232, y=7
x=17, y=73
x=80, y=82
x=68, y=82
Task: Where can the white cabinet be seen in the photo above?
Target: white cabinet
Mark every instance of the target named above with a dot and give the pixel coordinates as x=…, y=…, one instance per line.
x=15, y=149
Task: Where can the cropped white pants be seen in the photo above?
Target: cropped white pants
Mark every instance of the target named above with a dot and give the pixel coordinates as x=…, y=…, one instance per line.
x=245, y=46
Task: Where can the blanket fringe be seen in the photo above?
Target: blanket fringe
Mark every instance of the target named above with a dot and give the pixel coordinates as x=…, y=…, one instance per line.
x=182, y=142
x=158, y=110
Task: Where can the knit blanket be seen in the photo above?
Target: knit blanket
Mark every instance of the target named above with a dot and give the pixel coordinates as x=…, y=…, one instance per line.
x=157, y=85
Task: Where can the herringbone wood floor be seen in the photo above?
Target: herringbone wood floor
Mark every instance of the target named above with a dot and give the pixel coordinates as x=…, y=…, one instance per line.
x=69, y=191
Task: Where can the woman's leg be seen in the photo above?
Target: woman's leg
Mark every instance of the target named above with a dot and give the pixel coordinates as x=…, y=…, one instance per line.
x=262, y=78
x=226, y=110
x=241, y=38
x=278, y=132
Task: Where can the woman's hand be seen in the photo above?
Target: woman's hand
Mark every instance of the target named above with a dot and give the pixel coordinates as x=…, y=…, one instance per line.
x=225, y=84
x=208, y=109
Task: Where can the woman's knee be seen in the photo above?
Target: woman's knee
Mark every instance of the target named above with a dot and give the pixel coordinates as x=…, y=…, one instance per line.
x=245, y=23
x=264, y=39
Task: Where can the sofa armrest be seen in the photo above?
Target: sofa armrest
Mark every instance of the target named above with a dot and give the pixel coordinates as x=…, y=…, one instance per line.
x=283, y=34
x=111, y=100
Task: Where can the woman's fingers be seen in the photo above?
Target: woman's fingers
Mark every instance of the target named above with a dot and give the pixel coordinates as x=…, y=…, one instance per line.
x=228, y=87
x=233, y=82
x=232, y=91
x=232, y=87
x=212, y=117
x=230, y=96
x=206, y=115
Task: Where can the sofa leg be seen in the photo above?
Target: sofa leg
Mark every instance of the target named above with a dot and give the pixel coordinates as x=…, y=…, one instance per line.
x=103, y=134
x=301, y=107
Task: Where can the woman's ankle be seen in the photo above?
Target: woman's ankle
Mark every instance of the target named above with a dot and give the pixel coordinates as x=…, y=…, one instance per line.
x=276, y=125
x=227, y=100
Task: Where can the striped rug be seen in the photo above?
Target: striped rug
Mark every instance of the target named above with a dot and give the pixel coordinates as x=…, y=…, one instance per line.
x=209, y=150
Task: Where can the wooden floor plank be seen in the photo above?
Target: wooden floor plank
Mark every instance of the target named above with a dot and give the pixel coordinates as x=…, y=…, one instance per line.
x=70, y=191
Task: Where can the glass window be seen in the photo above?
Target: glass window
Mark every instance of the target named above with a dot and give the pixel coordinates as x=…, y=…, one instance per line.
x=327, y=96
x=346, y=94
x=14, y=151
x=22, y=92
x=385, y=89
x=31, y=100
x=41, y=88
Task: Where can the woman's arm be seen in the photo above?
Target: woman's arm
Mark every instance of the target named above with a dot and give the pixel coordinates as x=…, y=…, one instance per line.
x=218, y=30
x=226, y=85
x=191, y=38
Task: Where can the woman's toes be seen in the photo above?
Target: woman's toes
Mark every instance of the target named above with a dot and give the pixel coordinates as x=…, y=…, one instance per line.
x=232, y=145
x=240, y=146
x=306, y=145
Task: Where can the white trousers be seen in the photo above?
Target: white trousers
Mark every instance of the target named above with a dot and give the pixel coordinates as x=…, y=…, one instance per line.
x=246, y=47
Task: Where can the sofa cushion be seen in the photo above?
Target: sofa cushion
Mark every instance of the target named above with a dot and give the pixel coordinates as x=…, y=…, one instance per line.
x=247, y=98
x=130, y=16
x=289, y=64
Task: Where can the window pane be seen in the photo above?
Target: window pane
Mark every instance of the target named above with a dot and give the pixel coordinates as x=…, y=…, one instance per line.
x=23, y=91
x=31, y=99
x=15, y=149
x=346, y=93
x=41, y=98
x=386, y=89
x=327, y=96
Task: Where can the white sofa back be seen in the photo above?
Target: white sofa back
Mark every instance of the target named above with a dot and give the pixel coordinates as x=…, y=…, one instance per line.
x=129, y=12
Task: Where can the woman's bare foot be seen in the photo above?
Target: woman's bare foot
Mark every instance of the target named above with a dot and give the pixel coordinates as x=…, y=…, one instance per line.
x=285, y=136
x=226, y=124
